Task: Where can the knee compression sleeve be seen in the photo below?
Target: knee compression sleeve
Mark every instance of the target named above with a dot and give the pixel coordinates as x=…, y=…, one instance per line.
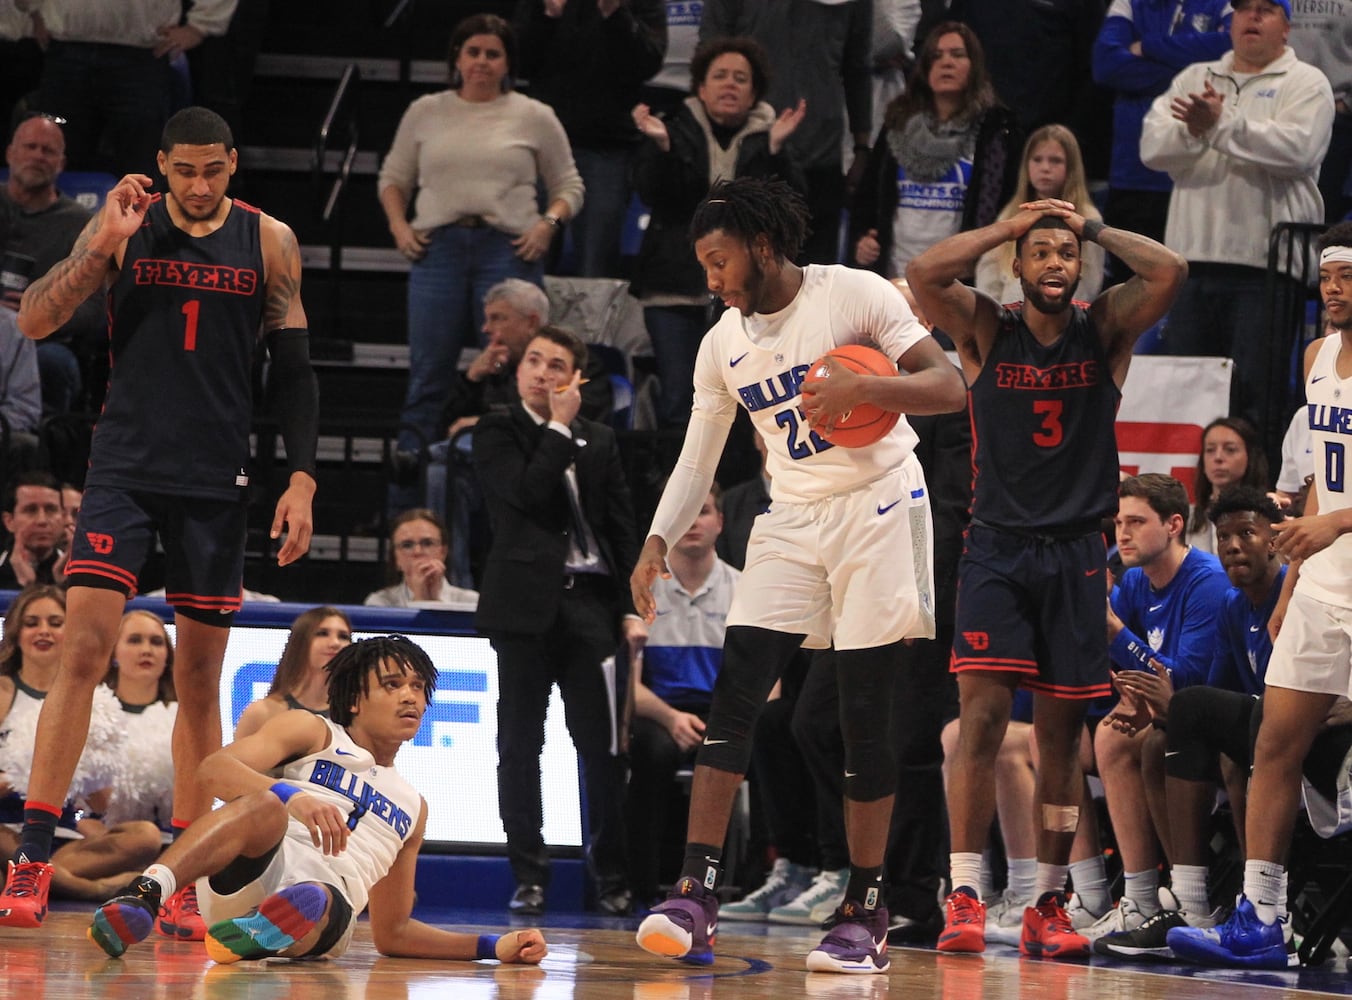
x=865, y=678
x=753, y=659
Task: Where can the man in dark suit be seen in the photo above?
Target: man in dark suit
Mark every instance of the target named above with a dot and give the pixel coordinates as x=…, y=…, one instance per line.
x=554, y=604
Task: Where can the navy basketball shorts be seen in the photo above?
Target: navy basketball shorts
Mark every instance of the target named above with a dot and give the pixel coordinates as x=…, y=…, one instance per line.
x=203, y=540
x=1034, y=606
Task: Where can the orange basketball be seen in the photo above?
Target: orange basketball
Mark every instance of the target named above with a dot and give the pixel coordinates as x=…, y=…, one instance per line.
x=866, y=423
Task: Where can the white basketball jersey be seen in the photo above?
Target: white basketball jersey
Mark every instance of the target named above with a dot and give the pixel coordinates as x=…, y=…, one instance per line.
x=1327, y=575
x=760, y=361
x=382, y=810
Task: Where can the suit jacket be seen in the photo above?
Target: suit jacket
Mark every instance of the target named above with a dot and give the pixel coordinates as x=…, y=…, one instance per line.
x=521, y=468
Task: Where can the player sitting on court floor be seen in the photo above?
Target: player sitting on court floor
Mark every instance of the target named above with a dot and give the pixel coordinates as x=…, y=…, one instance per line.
x=286, y=867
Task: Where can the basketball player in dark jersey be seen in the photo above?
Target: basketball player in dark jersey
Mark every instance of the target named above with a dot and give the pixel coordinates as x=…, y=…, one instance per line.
x=1045, y=380
x=194, y=278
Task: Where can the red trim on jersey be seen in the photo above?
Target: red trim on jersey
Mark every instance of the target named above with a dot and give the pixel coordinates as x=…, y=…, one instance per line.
x=1000, y=666
x=247, y=207
x=205, y=603
x=46, y=807
x=1067, y=692
x=108, y=570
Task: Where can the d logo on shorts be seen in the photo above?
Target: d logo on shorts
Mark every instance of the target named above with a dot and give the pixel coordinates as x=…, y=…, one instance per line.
x=101, y=544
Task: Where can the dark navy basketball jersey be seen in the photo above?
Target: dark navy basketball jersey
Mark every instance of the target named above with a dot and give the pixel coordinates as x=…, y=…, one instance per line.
x=1043, y=446
x=185, y=314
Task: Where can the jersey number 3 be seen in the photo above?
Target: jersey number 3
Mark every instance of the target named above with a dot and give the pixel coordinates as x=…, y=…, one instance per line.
x=1049, y=435
x=190, y=310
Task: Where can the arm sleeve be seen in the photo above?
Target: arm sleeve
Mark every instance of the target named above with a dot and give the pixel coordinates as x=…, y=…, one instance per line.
x=293, y=392
x=689, y=482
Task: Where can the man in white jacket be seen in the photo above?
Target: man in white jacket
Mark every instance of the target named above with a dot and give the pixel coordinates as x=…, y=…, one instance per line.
x=1243, y=138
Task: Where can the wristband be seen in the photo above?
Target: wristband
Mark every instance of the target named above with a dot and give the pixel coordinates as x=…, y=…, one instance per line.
x=487, y=946
x=552, y=219
x=1091, y=230
x=284, y=791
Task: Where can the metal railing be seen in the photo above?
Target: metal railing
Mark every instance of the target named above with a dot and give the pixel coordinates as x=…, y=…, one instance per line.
x=340, y=123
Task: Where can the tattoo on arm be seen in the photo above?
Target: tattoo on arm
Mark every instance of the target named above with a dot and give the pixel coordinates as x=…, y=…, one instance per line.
x=56, y=295
x=284, y=286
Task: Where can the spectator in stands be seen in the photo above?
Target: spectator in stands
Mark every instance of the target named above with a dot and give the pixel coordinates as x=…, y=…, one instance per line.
x=944, y=162
x=302, y=678
x=141, y=675
x=1051, y=167
x=1208, y=731
x=38, y=226
x=90, y=859
x=107, y=73
x=1321, y=35
x=33, y=519
x=673, y=692
x=476, y=217
x=588, y=60
x=1140, y=48
x=554, y=606
x=1162, y=618
x=1231, y=454
x=819, y=56
x=418, y=553
x=1242, y=158
x=20, y=397
x=724, y=130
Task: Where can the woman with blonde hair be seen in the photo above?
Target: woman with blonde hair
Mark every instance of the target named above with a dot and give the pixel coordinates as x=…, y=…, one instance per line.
x=1052, y=167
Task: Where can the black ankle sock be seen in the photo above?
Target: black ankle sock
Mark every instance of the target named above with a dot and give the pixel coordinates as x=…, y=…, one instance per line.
x=704, y=864
x=39, y=827
x=866, y=886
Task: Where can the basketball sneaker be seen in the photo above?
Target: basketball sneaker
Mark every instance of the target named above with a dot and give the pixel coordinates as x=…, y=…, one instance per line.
x=1125, y=916
x=785, y=881
x=1150, y=940
x=1243, y=941
x=1047, y=931
x=816, y=903
x=127, y=918
x=180, y=918
x=1080, y=915
x=1004, y=919
x=280, y=921
x=964, y=922
x=856, y=943
x=24, y=901
x=684, y=926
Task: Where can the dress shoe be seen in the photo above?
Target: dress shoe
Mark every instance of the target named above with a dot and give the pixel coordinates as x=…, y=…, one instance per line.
x=527, y=901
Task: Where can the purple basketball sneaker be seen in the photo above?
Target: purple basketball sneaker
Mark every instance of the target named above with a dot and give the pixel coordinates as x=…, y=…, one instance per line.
x=856, y=943
x=685, y=925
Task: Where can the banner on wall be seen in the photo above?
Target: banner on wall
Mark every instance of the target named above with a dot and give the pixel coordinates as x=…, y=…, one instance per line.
x=1166, y=402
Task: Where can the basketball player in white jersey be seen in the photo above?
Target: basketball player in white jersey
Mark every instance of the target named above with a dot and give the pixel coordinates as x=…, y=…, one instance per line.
x=842, y=557
x=287, y=866
x=1311, y=626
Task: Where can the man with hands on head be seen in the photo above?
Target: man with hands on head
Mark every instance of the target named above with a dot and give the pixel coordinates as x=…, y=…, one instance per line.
x=195, y=280
x=287, y=865
x=1045, y=380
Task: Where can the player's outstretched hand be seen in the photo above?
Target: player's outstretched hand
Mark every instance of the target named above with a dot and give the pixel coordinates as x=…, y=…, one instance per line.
x=526, y=947
x=294, y=512
x=652, y=563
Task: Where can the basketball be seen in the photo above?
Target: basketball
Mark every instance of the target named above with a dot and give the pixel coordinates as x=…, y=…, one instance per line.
x=866, y=423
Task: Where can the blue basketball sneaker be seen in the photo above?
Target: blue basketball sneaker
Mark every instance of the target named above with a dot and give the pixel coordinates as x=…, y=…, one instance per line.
x=1243, y=941
x=856, y=943
x=684, y=926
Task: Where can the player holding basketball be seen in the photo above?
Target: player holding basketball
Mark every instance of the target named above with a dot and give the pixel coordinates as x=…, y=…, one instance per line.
x=1045, y=381
x=842, y=556
x=193, y=278
x=287, y=866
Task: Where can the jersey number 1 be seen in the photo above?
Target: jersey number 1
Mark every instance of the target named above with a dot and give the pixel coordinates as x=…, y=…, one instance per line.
x=190, y=310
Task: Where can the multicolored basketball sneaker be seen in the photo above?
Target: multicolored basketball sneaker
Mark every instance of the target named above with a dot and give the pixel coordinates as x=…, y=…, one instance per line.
x=684, y=926
x=279, y=922
x=856, y=943
x=127, y=918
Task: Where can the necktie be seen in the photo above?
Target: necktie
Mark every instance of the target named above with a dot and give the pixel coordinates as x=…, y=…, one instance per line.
x=579, y=522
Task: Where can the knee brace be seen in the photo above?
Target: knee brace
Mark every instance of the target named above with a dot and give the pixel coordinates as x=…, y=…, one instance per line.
x=865, y=679
x=753, y=659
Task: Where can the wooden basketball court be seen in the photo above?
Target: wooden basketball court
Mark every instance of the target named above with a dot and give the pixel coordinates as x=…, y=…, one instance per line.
x=601, y=962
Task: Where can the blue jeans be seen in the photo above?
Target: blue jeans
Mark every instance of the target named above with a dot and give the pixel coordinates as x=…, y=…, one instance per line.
x=597, y=228
x=446, y=312
x=452, y=492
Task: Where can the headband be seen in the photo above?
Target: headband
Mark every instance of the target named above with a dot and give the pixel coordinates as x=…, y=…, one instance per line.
x=1341, y=254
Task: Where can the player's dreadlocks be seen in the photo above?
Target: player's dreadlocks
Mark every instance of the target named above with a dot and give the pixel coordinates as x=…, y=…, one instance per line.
x=749, y=207
x=350, y=671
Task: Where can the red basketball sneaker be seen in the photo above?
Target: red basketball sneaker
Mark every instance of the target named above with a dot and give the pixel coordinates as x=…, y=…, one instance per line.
x=1047, y=930
x=24, y=901
x=179, y=917
x=964, y=923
